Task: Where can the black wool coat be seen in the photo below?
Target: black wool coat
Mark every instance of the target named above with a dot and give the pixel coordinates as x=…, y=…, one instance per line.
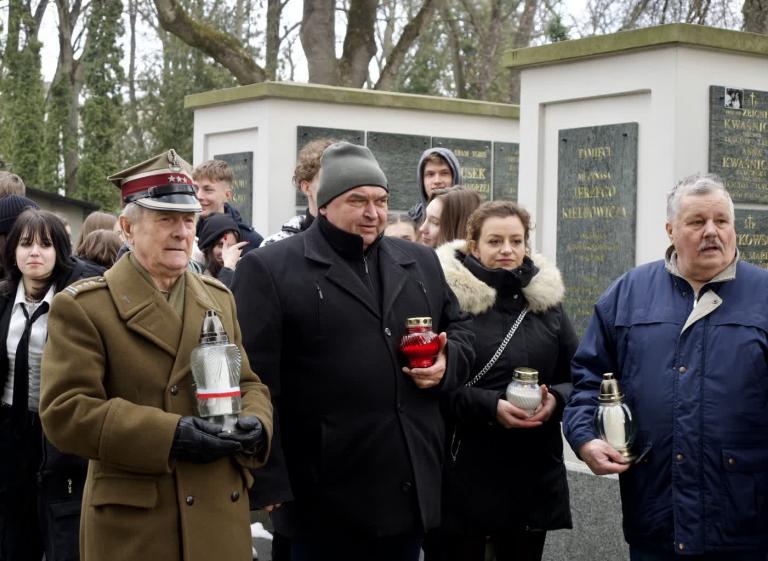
x=363, y=444
x=499, y=479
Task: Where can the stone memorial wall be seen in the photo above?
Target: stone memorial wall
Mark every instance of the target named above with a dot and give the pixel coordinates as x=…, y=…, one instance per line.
x=489, y=168
x=596, y=208
x=242, y=183
x=738, y=141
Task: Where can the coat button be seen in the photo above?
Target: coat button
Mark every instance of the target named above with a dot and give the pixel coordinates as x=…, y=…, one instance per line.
x=679, y=457
x=388, y=331
x=681, y=546
x=174, y=389
x=190, y=500
x=406, y=486
x=731, y=462
x=234, y=496
x=682, y=369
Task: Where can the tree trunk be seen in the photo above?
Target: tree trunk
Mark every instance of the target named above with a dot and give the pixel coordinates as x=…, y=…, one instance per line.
x=456, y=59
x=274, y=10
x=755, y=14
x=318, y=39
x=410, y=33
x=359, y=43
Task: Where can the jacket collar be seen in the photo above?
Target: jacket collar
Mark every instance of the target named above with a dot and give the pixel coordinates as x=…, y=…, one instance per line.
x=393, y=264
x=546, y=289
x=146, y=312
x=727, y=274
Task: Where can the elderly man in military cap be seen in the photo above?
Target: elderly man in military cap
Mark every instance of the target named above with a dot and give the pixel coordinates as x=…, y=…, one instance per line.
x=117, y=388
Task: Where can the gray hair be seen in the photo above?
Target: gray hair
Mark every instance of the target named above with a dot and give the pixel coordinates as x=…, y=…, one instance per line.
x=133, y=213
x=696, y=184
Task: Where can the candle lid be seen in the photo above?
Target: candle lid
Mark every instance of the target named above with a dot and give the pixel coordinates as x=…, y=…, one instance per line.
x=419, y=322
x=610, y=391
x=213, y=331
x=525, y=374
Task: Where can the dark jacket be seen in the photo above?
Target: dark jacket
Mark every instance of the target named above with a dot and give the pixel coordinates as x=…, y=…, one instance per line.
x=500, y=479
x=696, y=380
x=417, y=211
x=363, y=445
x=60, y=476
x=247, y=233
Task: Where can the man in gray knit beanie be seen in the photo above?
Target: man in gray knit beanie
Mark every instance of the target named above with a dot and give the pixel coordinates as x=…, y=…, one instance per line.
x=322, y=314
x=353, y=192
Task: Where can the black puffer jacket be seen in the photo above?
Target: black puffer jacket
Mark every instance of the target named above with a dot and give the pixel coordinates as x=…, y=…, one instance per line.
x=496, y=478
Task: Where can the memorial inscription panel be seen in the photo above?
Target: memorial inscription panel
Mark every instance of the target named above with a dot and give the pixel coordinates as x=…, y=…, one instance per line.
x=475, y=159
x=738, y=141
x=752, y=235
x=596, y=204
x=242, y=181
x=506, y=163
x=398, y=155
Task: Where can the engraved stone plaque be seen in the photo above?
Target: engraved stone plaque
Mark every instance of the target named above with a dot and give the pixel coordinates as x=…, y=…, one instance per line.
x=752, y=235
x=398, y=155
x=596, y=204
x=738, y=141
x=506, y=163
x=475, y=159
x=242, y=181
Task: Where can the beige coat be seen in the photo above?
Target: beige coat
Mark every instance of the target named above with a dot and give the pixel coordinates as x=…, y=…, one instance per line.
x=116, y=378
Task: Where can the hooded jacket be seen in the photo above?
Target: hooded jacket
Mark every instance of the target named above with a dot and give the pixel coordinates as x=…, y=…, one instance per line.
x=486, y=461
x=417, y=211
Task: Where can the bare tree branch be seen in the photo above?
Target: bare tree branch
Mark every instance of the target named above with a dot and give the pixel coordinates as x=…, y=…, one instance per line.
x=224, y=48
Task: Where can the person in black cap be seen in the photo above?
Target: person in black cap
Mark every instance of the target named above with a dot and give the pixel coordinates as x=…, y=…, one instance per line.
x=219, y=242
x=323, y=313
x=162, y=483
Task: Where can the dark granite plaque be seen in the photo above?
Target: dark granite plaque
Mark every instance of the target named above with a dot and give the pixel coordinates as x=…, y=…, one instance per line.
x=506, y=163
x=242, y=181
x=398, y=155
x=752, y=235
x=475, y=159
x=596, y=203
x=308, y=134
x=738, y=141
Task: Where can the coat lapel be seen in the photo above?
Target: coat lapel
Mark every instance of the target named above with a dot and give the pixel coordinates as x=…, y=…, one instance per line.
x=394, y=274
x=143, y=307
x=339, y=273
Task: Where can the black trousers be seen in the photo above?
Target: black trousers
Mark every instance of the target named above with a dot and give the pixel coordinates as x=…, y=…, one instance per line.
x=20, y=459
x=511, y=545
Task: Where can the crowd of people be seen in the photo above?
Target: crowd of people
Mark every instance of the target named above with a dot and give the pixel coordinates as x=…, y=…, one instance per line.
x=354, y=452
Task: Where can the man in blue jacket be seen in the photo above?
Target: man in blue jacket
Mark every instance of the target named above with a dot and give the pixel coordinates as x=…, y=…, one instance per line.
x=688, y=338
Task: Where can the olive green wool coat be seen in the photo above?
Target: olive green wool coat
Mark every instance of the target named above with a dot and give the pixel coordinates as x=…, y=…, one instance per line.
x=115, y=380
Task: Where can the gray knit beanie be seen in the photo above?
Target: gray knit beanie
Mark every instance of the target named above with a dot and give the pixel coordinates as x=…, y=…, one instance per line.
x=345, y=166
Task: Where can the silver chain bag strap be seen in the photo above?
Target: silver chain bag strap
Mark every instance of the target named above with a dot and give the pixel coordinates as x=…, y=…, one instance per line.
x=456, y=444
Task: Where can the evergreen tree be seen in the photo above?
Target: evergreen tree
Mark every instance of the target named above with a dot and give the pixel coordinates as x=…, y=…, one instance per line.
x=102, y=126
x=22, y=93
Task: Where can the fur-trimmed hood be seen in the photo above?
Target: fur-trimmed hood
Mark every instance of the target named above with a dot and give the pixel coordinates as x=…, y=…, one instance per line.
x=546, y=289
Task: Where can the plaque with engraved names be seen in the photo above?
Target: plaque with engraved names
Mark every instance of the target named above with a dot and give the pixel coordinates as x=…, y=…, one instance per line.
x=506, y=163
x=752, y=235
x=596, y=204
x=242, y=181
x=738, y=141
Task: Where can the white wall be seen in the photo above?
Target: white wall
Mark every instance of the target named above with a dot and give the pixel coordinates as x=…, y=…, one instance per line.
x=665, y=90
x=268, y=128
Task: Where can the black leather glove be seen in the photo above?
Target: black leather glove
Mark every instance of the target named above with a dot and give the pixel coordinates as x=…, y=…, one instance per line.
x=249, y=433
x=198, y=441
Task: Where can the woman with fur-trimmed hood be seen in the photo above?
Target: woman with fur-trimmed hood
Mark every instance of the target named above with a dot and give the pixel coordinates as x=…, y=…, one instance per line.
x=505, y=476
